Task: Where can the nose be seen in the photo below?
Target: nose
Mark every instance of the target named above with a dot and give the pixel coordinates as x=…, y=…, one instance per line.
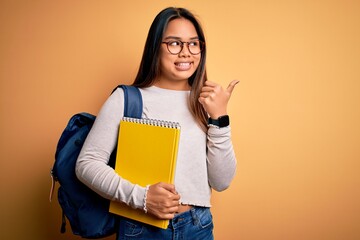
x=184, y=51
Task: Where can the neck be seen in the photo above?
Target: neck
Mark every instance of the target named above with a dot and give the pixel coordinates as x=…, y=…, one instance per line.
x=173, y=85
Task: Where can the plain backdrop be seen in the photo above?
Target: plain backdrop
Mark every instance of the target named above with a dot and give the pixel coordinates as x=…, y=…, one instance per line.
x=295, y=114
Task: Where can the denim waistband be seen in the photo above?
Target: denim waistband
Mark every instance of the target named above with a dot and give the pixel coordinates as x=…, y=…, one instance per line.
x=191, y=216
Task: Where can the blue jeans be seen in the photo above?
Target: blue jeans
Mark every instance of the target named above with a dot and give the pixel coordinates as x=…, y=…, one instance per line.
x=195, y=224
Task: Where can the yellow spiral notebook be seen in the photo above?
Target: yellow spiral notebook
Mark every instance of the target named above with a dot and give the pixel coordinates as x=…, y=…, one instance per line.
x=146, y=154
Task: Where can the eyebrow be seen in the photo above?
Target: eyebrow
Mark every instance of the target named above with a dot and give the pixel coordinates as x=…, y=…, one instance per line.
x=179, y=38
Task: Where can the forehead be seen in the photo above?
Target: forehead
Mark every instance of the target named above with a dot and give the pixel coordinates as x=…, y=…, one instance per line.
x=181, y=28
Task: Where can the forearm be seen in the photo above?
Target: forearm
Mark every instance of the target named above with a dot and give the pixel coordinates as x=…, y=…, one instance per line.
x=221, y=158
x=102, y=179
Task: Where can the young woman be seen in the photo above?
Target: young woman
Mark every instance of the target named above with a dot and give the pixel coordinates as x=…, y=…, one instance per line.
x=173, y=82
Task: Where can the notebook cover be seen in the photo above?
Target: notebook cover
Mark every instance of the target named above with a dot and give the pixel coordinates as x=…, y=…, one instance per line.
x=146, y=154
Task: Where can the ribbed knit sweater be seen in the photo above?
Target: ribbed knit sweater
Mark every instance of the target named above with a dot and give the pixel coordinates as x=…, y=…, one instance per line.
x=205, y=160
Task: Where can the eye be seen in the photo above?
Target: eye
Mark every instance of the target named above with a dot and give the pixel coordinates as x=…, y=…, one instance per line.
x=194, y=43
x=174, y=43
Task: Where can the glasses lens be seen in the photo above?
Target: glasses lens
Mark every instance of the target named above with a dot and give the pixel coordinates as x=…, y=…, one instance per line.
x=174, y=47
x=195, y=47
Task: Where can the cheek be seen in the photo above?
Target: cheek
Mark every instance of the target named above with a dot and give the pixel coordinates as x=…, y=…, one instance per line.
x=164, y=61
x=166, y=64
x=197, y=61
x=165, y=57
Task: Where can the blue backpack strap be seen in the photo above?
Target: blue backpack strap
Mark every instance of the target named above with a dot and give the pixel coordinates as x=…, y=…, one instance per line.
x=133, y=104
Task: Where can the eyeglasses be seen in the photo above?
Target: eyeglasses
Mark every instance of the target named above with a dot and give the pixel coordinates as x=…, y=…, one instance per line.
x=176, y=46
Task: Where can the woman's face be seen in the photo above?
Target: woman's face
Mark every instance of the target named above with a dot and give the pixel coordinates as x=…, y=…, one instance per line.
x=175, y=69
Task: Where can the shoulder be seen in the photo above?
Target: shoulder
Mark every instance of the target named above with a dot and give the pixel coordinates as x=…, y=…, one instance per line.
x=113, y=107
x=116, y=97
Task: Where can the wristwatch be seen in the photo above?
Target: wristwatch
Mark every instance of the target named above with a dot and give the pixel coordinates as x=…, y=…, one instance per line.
x=222, y=121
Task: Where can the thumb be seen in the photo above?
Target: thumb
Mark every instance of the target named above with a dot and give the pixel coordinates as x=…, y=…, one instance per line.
x=169, y=187
x=232, y=85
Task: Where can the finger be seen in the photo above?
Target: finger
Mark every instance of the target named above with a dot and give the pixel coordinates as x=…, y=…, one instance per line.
x=171, y=207
x=210, y=83
x=176, y=198
x=168, y=216
x=169, y=187
x=174, y=209
x=207, y=89
x=232, y=85
x=205, y=94
x=164, y=215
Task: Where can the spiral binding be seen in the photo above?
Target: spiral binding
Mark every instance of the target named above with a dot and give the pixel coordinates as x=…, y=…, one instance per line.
x=153, y=122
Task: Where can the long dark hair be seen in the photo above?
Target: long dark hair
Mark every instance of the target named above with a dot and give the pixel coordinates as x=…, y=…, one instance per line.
x=149, y=67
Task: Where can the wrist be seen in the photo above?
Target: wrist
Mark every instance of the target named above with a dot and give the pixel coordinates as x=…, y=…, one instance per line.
x=217, y=114
x=145, y=198
x=221, y=121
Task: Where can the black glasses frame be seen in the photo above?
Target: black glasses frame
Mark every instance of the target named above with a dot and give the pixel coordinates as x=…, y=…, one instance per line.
x=202, y=44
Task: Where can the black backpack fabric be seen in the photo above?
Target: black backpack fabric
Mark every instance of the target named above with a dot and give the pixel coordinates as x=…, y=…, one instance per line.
x=87, y=212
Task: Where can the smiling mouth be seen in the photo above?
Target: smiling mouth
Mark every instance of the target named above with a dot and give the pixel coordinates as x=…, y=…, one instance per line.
x=183, y=66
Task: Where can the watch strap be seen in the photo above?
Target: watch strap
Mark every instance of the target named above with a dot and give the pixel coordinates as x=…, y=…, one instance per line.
x=222, y=121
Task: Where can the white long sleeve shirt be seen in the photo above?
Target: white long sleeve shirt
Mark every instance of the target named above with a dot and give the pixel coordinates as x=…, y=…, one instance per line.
x=205, y=160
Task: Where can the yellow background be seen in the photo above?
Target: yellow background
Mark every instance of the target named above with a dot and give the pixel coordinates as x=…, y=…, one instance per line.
x=295, y=115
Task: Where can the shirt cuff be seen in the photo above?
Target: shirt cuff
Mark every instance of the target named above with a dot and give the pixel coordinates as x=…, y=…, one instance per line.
x=138, y=194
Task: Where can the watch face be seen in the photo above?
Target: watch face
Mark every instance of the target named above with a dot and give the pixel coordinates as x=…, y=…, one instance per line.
x=224, y=121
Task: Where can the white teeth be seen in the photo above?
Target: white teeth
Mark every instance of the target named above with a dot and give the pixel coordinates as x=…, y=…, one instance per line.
x=183, y=64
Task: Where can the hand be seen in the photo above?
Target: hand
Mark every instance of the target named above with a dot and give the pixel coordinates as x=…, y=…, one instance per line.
x=214, y=98
x=162, y=200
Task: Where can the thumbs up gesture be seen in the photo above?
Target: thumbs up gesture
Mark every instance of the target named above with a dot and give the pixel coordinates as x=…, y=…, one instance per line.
x=214, y=98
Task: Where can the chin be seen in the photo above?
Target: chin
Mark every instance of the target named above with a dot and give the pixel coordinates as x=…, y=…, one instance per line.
x=184, y=75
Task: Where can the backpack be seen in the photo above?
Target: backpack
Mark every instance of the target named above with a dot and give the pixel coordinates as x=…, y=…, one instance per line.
x=87, y=212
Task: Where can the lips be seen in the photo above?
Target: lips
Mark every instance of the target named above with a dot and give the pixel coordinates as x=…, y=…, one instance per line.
x=183, y=66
